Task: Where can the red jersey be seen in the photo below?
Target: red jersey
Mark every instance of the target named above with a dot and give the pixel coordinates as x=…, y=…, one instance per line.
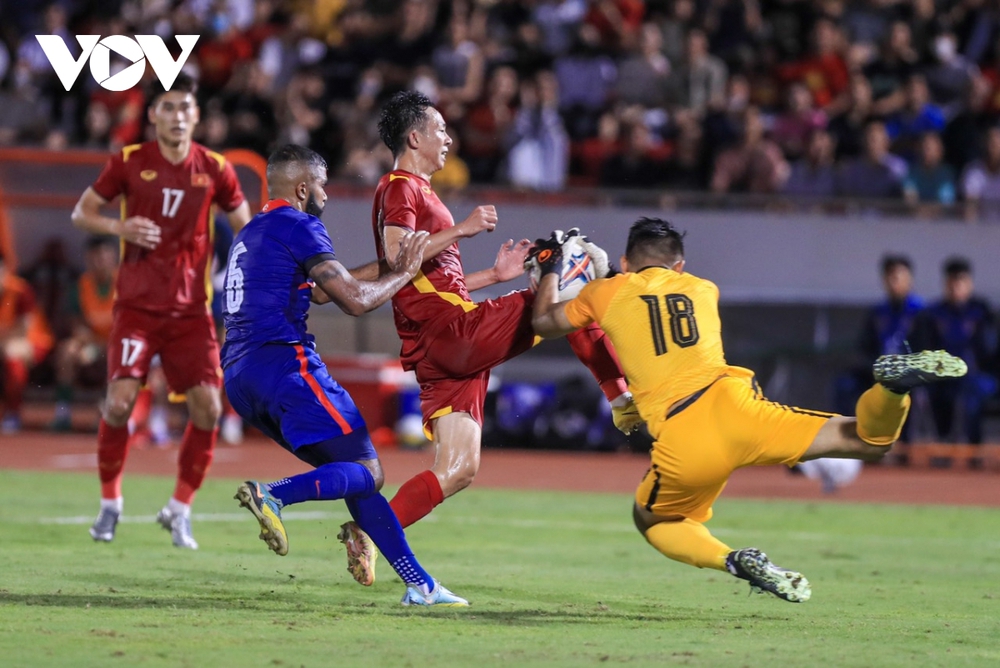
x=437, y=295
x=174, y=279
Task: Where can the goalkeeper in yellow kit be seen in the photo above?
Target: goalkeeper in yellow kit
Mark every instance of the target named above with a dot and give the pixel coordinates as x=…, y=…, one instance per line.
x=709, y=418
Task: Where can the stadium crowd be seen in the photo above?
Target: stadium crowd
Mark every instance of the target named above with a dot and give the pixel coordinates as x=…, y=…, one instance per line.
x=868, y=98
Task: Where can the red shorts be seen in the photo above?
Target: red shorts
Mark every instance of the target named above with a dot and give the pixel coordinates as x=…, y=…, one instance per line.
x=186, y=345
x=456, y=369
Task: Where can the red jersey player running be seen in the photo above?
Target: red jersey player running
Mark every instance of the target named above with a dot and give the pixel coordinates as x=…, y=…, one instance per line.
x=168, y=188
x=450, y=341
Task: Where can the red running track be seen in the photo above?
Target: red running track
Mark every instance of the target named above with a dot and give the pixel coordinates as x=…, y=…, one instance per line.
x=519, y=469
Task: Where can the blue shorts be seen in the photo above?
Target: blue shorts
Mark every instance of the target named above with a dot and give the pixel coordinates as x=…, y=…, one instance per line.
x=287, y=393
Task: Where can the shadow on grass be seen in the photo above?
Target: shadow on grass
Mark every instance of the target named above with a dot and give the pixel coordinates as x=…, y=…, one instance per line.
x=380, y=606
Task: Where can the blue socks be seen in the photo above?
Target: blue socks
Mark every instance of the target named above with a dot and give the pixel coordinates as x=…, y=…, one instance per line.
x=326, y=483
x=375, y=517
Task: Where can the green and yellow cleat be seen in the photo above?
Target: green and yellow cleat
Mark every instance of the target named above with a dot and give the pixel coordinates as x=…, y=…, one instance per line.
x=902, y=373
x=752, y=565
x=256, y=498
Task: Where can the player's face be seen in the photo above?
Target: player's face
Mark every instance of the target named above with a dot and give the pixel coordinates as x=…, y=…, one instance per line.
x=316, y=194
x=434, y=140
x=175, y=116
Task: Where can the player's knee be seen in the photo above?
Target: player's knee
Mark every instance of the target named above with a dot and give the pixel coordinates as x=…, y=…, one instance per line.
x=117, y=410
x=206, y=412
x=459, y=477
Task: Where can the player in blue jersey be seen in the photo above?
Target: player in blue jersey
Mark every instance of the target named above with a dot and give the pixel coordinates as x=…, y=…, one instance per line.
x=280, y=262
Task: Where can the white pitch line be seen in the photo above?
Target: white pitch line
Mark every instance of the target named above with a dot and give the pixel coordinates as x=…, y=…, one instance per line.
x=197, y=517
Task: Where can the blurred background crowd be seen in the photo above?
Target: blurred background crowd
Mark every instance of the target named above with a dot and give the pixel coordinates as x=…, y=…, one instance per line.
x=893, y=99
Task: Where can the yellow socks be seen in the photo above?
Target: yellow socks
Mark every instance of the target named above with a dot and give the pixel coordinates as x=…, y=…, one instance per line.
x=881, y=415
x=690, y=542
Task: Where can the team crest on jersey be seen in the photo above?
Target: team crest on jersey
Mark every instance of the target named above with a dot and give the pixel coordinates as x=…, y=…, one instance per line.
x=426, y=189
x=201, y=180
x=147, y=174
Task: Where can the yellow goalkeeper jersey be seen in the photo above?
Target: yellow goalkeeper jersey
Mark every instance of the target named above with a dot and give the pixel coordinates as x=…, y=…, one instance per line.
x=665, y=327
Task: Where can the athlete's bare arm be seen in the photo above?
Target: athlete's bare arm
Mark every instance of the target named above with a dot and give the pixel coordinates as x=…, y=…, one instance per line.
x=482, y=218
x=366, y=272
x=355, y=297
x=548, y=314
x=239, y=217
x=137, y=230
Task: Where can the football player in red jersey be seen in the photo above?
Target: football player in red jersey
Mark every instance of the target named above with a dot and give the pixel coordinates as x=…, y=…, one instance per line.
x=450, y=341
x=168, y=188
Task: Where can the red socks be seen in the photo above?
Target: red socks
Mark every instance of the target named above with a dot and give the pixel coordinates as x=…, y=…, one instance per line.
x=15, y=378
x=593, y=348
x=417, y=498
x=197, y=450
x=112, y=447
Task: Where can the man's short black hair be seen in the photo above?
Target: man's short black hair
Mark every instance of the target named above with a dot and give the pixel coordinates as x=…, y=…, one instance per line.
x=401, y=114
x=184, y=83
x=654, y=237
x=956, y=266
x=98, y=240
x=293, y=153
x=890, y=262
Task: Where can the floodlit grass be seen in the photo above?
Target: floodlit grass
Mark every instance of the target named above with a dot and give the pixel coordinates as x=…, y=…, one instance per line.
x=556, y=579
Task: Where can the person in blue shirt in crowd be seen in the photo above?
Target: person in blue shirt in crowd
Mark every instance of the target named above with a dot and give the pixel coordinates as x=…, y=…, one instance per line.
x=963, y=324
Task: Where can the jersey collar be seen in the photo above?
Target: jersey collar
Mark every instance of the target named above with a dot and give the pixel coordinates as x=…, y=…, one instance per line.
x=275, y=204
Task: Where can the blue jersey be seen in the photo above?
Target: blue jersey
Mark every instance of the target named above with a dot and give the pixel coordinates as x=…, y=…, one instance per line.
x=267, y=279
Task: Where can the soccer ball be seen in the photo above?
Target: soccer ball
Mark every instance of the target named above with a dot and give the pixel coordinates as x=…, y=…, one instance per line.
x=578, y=269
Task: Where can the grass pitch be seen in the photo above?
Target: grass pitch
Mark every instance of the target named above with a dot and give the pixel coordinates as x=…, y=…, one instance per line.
x=555, y=579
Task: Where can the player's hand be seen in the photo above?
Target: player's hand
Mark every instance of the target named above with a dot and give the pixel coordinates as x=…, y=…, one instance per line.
x=510, y=259
x=411, y=252
x=140, y=231
x=482, y=219
x=547, y=253
x=602, y=268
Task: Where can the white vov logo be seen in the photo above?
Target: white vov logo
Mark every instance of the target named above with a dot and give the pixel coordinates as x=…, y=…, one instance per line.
x=138, y=51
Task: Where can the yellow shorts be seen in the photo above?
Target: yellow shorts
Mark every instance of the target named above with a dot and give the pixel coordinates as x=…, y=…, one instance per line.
x=726, y=426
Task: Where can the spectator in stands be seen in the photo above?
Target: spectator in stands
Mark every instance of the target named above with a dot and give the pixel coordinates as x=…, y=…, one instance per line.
x=558, y=20
x=637, y=166
x=589, y=154
x=814, y=175
x=876, y=174
x=824, y=71
x=756, y=165
x=698, y=83
x=981, y=181
x=675, y=26
x=930, y=180
x=586, y=80
x=642, y=76
x=251, y=119
x=889, y=72
x=918, y=116
x=539, y=153
x=962, y=324
x=848, y=128
x=460, y=68
x=952, y=76
x=800, y=120
x=81, y=358
x=486, y=125
x=25, y=340
x=687, y=168
x=963, y=136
